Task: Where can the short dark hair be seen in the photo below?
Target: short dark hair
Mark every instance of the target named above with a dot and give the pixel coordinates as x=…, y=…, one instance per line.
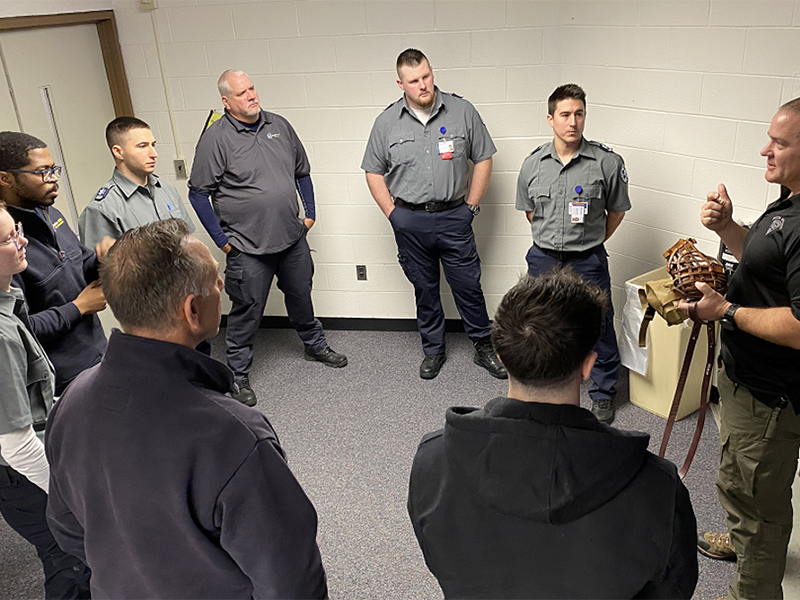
x=562, y=92
x=410, y=57
x=15, y=147
x=546, y=326
x=149, y=271
x=119, y=127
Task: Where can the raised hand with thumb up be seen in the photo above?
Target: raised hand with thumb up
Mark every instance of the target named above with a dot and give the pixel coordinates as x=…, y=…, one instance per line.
x=717, y=212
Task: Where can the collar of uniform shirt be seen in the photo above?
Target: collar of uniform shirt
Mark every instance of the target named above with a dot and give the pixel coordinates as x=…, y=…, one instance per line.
x=128, y=187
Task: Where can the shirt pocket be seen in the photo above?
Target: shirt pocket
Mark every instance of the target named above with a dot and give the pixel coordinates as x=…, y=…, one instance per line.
x=460, y=142
x=594, y=195
x=401, y=147
x=542, y=200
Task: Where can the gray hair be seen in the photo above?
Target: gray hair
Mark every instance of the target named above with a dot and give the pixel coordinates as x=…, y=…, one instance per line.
x=222, y=83
x=148, y=273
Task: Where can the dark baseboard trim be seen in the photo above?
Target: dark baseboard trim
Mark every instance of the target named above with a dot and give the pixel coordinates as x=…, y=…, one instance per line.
x=356, y=324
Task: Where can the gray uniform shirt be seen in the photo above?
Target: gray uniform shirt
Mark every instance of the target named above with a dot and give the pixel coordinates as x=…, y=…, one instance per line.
x=250, y=176
x=595, y=175
x=406, y=152
x=27, y=378
x=121, y=205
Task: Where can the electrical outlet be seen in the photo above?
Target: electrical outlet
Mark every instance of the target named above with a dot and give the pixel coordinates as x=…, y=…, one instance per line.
x=180, y=168
x=148, y=4
x=361, y=272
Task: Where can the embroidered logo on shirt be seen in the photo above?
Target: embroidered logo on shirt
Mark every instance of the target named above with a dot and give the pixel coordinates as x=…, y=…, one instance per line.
x=273, y=135
x=623, y=175
x=777, y=223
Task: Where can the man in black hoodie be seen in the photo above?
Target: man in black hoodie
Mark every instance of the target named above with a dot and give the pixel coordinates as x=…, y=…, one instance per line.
x=533, y=497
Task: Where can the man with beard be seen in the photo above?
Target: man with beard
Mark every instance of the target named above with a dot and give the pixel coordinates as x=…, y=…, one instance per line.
x=417, y=159
x=60, y=283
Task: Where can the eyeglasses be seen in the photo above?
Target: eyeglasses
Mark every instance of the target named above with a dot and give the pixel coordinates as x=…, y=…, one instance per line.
x=48, y=175
x=15, y=238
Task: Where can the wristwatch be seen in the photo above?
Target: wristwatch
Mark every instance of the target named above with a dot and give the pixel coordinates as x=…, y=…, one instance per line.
x=727, y=319
x=474, y=208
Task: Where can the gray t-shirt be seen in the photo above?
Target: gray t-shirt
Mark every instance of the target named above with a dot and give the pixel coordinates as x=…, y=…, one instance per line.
x=120, y=205
x=595, y=176
x=27, y=378
x=409, y=154
x=250, y=176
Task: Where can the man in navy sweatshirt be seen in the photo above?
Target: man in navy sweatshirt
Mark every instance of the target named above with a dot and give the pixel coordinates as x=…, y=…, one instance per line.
x=60, y=283
x=172, y=489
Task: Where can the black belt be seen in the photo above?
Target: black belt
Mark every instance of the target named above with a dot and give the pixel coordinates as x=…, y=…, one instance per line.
x=432, y=206
x=562, y=255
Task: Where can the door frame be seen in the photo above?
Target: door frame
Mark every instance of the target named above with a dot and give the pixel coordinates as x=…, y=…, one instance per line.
x=109, y=45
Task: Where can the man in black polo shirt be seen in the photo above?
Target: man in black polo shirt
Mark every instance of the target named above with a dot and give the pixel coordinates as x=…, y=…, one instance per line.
x=759, y=382
x=252, y=165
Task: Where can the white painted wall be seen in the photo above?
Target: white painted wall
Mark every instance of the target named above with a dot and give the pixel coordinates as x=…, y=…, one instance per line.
x=682, y=89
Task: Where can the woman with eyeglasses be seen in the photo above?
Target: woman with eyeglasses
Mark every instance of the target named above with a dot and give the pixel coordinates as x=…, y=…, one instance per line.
x=27, y=381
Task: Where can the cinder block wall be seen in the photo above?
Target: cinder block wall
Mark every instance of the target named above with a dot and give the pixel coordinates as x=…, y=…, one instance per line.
x=683, y=90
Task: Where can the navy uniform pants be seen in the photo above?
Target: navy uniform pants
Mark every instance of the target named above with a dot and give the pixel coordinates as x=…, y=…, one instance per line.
x=424, y=240
x=594, y=269
x=23, y=505
x=248, y=278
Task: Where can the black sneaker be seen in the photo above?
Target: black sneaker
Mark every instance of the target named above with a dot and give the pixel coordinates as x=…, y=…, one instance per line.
x=486, y=357
x=245, y=395
x=327, y=357
x=431, y=365
x=603, y=410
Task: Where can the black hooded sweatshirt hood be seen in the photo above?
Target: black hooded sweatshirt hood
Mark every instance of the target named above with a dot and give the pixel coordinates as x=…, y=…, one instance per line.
x=545, y=462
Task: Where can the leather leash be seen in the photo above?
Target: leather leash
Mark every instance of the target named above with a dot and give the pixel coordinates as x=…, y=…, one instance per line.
x=676, y=401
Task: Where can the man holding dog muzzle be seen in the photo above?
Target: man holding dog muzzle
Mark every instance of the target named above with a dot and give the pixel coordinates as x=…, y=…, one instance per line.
x=759, y=381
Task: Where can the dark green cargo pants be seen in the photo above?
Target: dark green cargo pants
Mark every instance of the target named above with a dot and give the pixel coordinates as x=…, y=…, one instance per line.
x=758, y=462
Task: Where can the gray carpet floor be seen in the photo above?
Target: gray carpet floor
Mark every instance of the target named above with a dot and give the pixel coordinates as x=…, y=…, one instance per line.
x=350, y=435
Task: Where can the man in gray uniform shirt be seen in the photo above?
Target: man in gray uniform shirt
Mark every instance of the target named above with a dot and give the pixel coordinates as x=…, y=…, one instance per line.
x=417, y=160
x=252, y=165
x=134, y=195
x=575, y=193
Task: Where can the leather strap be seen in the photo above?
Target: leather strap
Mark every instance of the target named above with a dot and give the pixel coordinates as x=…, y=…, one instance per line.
x=649, y=313
x=676, y=401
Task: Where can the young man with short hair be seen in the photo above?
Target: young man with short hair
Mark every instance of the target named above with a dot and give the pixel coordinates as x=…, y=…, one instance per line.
x=134, y=195
x=531, y=496
x=575, y=193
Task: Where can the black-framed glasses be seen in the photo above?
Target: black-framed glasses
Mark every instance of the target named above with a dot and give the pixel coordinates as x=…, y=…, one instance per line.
x=48, y=175
x=16, y=237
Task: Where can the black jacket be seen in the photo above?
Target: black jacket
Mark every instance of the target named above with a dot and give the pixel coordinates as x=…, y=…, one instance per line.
x=527, y=500
x=167, y=488
x=59, y=268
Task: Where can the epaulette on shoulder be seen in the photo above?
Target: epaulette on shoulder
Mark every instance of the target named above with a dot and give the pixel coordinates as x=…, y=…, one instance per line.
x=457, y=96
x=103, y=192
x=602, y=146
x=537, y=149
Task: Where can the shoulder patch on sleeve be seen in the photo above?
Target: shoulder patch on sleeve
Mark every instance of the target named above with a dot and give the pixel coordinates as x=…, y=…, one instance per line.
x=623, y=174
x=102, y=192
